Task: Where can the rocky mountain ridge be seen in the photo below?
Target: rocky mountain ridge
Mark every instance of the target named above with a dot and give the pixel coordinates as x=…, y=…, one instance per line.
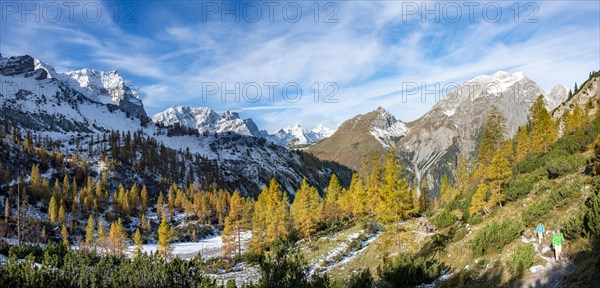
x=205, y=120
x=431, y=144
x=37, y=99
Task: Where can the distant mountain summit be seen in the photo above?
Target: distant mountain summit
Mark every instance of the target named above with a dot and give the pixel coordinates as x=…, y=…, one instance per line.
x=206, y=120
x=453, y=125
x=297, y=136
x=557, y=96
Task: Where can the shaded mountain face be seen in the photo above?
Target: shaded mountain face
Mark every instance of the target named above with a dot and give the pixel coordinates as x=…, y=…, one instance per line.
x=356, y=139
x=36, y=98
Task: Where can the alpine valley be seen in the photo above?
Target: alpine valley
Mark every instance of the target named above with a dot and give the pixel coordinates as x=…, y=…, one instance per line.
x=190, y=197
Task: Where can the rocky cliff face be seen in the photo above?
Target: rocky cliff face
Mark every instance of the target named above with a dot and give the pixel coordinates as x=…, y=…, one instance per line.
x=453, y=125
x=587, y=96
x=106, y=87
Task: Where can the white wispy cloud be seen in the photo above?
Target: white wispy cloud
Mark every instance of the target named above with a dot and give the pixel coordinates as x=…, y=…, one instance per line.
x=369, y=53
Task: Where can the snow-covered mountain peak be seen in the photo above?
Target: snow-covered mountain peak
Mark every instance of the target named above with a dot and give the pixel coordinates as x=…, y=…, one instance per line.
x=229, y=115
x=295, y=135
x=106, y=87
x=498, y=82
x=385, y=127
x=206, y=120
x=46, y=67
x=321, y=129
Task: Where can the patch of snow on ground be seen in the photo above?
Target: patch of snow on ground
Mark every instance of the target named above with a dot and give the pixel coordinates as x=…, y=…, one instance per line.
x=433, y=284
x=342, y=248
x=209, y=248
x=537, y=268
x=242, y=273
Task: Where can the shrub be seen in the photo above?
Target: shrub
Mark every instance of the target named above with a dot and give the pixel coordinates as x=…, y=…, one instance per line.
x=363, y=237
x=592, y=217
x=561, y=194
x=77, y=269
x=459, y=234
x=543, y=186
x=576, y=141
x=521, y=259
x=354, y=245
x=532, y=213
x=370, y=227
x=252, y=257
x=443, y=219
x=558, y=197
x=494, y=236
x=407, y=271
x=518, y=188
x=362, y=279
x=475, y=219
x=285, y=268
x=531, y=162
x=574, y=227
x=563, y=164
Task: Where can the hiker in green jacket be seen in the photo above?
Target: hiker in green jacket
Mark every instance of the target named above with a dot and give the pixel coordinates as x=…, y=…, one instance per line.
x=557, y=240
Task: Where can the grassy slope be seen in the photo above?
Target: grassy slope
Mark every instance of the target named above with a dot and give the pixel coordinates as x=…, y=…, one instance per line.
x=456, y=253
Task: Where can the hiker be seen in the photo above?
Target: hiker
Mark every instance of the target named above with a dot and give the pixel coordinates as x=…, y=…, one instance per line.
x=557, y=240
x=540, y=232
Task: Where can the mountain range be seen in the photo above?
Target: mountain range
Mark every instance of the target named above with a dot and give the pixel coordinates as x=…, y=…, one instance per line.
x=206, y=120
x=431, y=144
x=78, y=108
x=90, y=102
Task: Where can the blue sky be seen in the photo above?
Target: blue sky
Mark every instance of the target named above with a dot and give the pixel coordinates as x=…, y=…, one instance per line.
x=177, y=51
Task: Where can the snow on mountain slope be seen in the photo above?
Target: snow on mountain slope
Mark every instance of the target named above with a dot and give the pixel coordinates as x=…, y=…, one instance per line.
x=386, y=129
x=46, y=104
x=36, y=98
x=107, y=88
x=205, y=120
x=324, y=131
